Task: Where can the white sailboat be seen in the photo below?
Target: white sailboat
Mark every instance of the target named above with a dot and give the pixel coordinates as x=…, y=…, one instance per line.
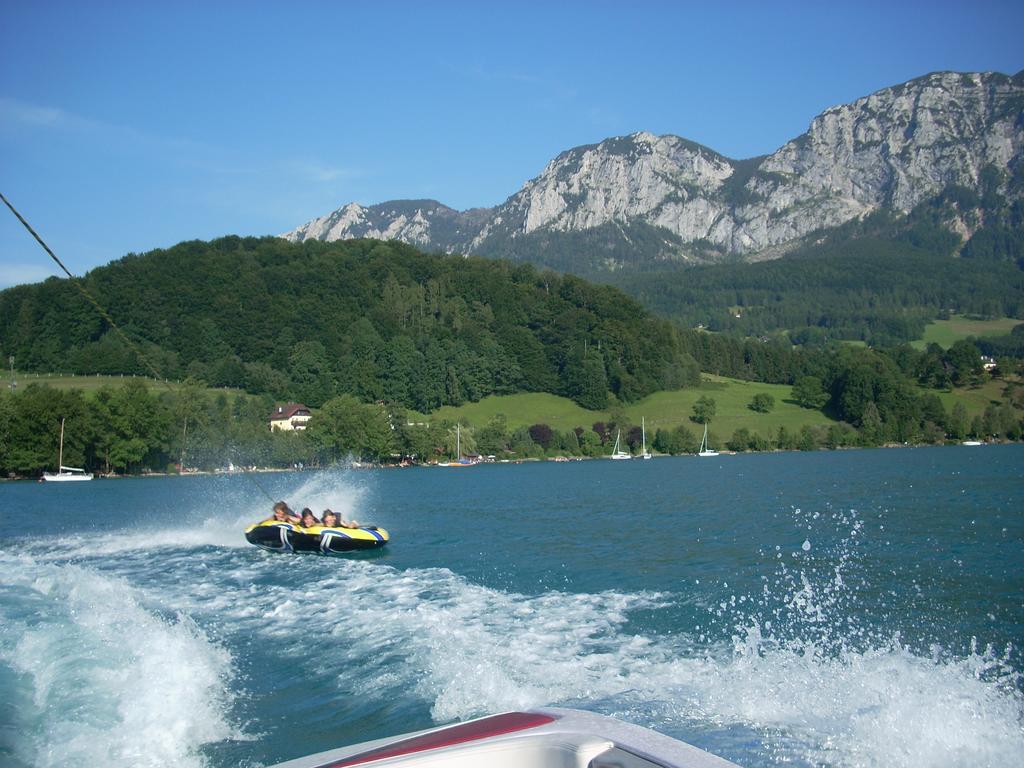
x=459, y=462
x=643, y=426
x=618, y=453
x=705, y=449
x=65, y=474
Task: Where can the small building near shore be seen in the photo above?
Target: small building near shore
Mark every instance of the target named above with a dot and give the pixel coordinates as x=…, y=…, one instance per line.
x=290, y=417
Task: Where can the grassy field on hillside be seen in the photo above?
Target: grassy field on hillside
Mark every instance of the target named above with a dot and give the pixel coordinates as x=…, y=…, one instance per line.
x=975, y=399
x=520, y=410
x=947, y=332
x=92, y=383
x=666, y=410
x=732, y=399
x=662, y=410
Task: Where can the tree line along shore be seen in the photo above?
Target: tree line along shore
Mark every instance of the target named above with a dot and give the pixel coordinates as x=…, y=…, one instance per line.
x=139, y=427
x=399, y=354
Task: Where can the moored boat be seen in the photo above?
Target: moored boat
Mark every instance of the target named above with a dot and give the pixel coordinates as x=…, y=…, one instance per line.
x=618, y=453
x=65, y=474
x=540, y=738
x=287, y=537
x=705, y=447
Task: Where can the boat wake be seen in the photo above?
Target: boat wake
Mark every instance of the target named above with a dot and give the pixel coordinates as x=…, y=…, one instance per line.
x=99, y=678
x=215, y=521
x=142, y=658
x=466, y=650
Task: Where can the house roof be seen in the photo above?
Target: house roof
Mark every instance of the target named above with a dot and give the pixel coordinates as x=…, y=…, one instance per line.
x=286, y=411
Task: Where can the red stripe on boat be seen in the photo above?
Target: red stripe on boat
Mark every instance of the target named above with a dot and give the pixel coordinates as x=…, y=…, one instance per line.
x=485, y=728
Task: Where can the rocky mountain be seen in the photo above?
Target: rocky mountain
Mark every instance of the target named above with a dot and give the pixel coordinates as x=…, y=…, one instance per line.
x=646, y=198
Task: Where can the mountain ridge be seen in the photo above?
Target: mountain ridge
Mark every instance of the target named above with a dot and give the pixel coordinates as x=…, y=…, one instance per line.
x=891, y=149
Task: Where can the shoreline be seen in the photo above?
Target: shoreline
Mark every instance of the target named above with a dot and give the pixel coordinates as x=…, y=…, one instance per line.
x=360, y=465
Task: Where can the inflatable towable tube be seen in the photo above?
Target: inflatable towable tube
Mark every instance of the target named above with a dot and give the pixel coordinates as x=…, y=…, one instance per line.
x=286, y=537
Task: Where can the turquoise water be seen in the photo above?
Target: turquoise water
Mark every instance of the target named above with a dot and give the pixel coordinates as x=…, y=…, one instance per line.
x=860, y=608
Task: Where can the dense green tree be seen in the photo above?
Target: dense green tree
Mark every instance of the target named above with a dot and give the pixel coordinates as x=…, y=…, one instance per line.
x=762, y=402
x=187, y=405
x=568, y=443
x=590, y=443
x=586, y=380
x=34, y=429
x=522, y=445
x=675, y=441
x=786, y=441
x=133, y=426
x=809, y=392
x=958, y=424
x=311, y=373
x=493, y=439
x=964, y=360
x=305, y=322
x=346, y=427
x=809, y=440
x=704, y=409
x=740, y=440
x=871, y=427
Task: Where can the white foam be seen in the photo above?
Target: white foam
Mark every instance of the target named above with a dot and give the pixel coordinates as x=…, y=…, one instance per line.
x=467, y=650
x=110, y=682
x=215, y=521
x=339, y=489
x=801, y=680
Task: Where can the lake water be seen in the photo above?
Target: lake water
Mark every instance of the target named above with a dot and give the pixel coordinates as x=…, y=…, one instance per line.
x=859, y=608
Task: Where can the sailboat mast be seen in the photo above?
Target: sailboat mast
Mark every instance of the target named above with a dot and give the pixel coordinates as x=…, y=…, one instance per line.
x=60, y=454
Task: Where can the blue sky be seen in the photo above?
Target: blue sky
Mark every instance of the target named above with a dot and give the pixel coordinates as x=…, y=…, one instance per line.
x=128, y=126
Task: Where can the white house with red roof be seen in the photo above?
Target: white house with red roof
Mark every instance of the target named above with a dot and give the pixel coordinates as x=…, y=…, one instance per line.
x=289, y=417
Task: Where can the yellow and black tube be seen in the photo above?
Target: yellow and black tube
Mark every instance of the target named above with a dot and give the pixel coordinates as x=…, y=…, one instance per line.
x=288, y=537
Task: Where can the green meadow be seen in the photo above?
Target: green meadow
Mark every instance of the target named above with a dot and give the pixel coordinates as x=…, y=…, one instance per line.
x=975, y=399
x=666, y=410
x=92, y=383
x=945, y=333
x=661, y=410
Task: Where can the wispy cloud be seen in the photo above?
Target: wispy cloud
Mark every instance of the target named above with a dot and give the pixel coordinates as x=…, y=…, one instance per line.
x=317, y=172
x=542, y=86
x=224, y=162
x=18, y=274
x=119, y=137
x=17, y=112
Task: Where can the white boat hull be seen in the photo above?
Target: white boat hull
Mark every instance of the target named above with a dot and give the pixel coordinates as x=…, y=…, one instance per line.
x=65, y=474
x=66, y=477
x=541, y=738
x=705, y=449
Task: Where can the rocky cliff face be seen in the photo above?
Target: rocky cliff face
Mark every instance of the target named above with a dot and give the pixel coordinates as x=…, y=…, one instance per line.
x=893, y=149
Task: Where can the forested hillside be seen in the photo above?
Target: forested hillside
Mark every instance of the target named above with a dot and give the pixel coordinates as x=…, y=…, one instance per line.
x=879, y=280
x=379, y=321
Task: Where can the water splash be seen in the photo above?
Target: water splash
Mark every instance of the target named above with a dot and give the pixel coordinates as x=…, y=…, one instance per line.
x=828, y=683
x=102, y=679
x=771, y=696
x=214, y=519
